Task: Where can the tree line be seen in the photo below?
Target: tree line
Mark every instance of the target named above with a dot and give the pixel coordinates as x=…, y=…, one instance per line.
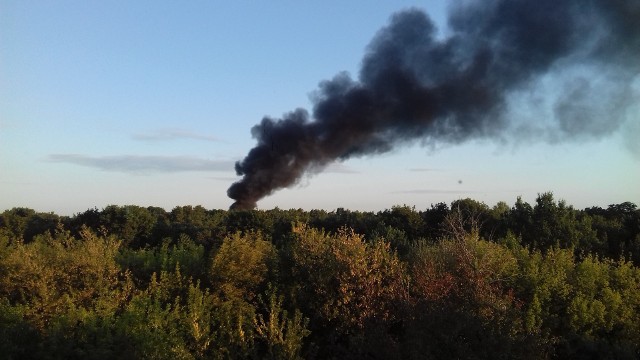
x=464, y=280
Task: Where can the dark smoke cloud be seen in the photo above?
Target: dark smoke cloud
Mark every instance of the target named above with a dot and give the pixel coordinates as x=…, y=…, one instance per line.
x=414, y=86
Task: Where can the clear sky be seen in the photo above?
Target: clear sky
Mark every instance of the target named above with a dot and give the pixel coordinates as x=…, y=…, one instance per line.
x=151, y=103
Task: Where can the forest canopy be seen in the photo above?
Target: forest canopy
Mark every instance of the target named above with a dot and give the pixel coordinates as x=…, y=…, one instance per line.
x=459, y=280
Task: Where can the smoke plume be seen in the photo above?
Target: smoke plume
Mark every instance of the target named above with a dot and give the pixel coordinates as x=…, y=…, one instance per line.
x=415, y=86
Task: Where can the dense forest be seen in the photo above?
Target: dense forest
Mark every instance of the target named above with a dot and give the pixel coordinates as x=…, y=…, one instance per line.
x=454, y=281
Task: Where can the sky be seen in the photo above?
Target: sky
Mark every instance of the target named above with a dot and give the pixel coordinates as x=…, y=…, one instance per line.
x=151, y=104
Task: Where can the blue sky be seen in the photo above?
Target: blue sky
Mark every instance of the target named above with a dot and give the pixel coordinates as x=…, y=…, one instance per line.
x=151, y=103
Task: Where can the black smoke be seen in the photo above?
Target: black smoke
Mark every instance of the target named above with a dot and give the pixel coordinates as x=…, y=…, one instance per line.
x=414, y=85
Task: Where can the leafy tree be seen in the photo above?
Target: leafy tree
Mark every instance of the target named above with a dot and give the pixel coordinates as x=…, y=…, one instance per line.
x=618, y=230
x=24, y=223
x=59, y=273
x=283, y=336
x=559, y=224
x=464, y=305
x=249, y=220
x=406, y=219
x=584, y=307
x=496, y=222
x=243, y=266
x=471, y=208
x=16, y=334
x=152, y=326
x=185, y=254
x=346, y=287
x=434, y=220
x=520, y=282
x=520, y=220
x=132, y=224
x=203, y=226
x=91, y=218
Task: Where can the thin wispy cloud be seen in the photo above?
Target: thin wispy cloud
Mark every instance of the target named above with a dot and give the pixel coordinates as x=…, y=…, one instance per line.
x=340, y=169
x=138, y=164
x=16, y=183
x=423, y=169
x=170, y=134
x=433, y=191
x=224, y=178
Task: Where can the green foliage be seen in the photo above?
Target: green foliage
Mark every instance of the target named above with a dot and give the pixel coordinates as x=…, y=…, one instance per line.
x=282, y=335
x=464, y=304
x=466, y=281
x=190, y=257
x=204, y=227
x=56, y=274
x=589, y=308
x=65, y=290
x=344, y=280
x=406, y=218
x=16, y=334
x=243, y=265
x=132, y=224
x=347, y=287
x=23, y=223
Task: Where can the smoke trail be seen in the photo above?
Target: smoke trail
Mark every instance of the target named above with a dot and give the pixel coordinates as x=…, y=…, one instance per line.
x=413, y=85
